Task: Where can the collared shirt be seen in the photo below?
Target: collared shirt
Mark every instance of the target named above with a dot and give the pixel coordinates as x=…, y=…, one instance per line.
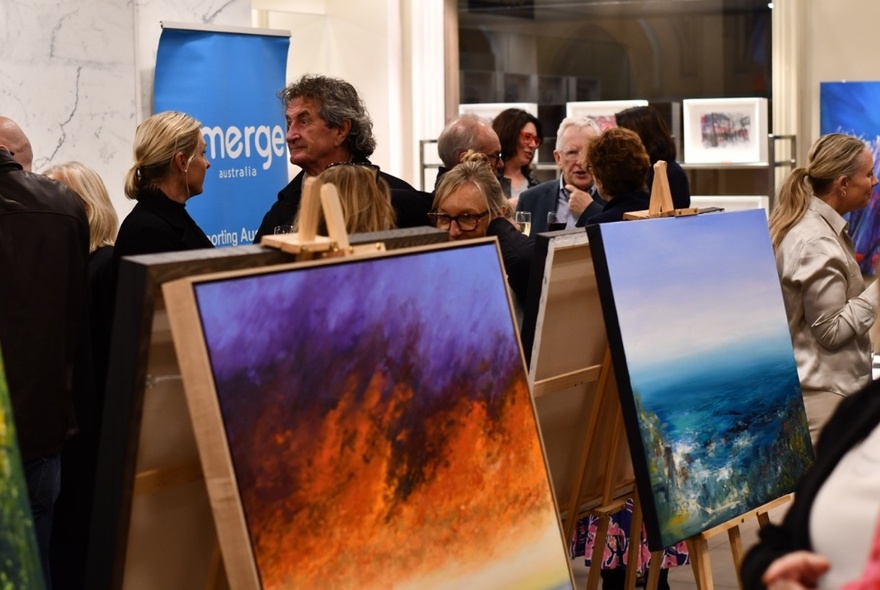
x=562, y=210
x=830, y=312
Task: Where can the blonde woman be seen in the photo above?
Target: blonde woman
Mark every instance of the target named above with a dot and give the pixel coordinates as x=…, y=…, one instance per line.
x=829, y=310
x=364, y=195
x=73, y=509
x=469, y=203
x=85, y=182
x=169, y=169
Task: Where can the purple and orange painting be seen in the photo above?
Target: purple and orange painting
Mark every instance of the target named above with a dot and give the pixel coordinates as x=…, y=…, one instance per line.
x=381, y=427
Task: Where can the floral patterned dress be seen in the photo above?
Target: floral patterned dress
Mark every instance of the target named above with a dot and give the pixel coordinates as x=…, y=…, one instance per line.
x=617, y=543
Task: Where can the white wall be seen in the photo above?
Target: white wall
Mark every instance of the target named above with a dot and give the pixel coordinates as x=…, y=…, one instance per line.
x=77, y=75
x=390, y=50
x=836, y=44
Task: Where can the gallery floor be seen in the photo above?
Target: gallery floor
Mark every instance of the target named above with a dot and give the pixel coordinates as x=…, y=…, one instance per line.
x=723, y=572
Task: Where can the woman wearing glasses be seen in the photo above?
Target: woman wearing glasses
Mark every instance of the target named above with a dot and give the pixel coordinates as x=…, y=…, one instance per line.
x=521, y=136
x=469, y=204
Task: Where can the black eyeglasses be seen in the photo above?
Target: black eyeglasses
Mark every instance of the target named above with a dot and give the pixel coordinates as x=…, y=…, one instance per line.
x=495, y=158
x=368, y=166
x=466, y=221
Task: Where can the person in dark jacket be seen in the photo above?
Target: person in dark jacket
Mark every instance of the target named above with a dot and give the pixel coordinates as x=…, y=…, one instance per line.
x=469, y=203
x=654, y=133
x=572, y=194
x=468, y=132
x=44, y=249
x=327, y=123
x=169, y=169
x=73, y=510
x=619, y=164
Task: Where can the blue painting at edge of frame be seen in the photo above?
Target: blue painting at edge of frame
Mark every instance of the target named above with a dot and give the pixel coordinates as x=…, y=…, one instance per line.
x=851, y=108
x=705, y=369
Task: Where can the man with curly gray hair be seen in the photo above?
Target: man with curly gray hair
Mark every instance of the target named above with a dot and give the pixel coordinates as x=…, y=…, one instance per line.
x=327, y=123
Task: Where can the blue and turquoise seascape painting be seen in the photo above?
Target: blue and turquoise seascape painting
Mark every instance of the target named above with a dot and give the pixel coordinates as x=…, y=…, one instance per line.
x=705, y=368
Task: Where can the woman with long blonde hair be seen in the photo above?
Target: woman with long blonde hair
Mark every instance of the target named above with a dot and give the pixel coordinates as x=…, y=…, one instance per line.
x=73, y=509
x=830, y=312
x=364, y=195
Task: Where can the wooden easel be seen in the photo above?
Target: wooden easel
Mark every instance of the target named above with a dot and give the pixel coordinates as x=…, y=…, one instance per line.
x=306, y=242
x=154, y=503
x=614, y=490
x=661, y=199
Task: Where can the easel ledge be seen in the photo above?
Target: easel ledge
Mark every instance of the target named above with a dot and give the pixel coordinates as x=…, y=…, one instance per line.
x=307, y=243
x=661, y=199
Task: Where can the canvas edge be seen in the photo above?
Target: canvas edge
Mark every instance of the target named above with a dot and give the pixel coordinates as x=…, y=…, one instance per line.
x=187, y=332
x=530, y=387
x=120, y=431
x=627, y=402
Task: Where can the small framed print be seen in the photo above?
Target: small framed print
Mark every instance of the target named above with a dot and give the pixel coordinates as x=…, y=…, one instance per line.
x=490, y=110
x=725, y=131
x=601, y=111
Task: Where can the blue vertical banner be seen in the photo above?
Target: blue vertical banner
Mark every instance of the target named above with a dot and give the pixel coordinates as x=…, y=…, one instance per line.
x=229, y=81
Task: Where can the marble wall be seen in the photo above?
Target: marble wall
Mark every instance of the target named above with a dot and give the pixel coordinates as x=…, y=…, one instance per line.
x=77, y=75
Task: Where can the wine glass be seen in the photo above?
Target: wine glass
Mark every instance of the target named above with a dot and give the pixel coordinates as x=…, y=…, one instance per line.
x=524, y=220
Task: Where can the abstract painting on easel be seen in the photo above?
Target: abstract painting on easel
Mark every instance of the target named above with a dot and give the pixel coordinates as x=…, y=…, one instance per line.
x=705, y=367
x=380, y=425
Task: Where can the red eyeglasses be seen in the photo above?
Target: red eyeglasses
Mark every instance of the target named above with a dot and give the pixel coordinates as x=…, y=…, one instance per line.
x=529, y=138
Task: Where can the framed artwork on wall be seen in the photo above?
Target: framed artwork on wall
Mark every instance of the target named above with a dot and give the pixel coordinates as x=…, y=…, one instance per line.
x=351, y=423
x=490, y=110
x=705, y=370
x=851, y=108
x=725, y=130
x=601, y=111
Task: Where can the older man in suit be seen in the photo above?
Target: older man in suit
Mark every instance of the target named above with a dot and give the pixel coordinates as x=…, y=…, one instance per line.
x=573, y=192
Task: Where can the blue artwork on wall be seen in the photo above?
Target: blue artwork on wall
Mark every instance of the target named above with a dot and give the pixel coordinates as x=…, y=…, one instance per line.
x=704, y=365
x=851, y=107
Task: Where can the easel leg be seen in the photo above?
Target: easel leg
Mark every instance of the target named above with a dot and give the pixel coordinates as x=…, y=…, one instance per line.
x=763, y=519
x=216, y=572
x=598, y=551
x=654, y=570
x=698, y=548
x=635, y=545
x=736, y=550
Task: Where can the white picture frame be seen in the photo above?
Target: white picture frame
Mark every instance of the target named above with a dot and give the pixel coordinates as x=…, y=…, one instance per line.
x=733, y=202
x=601, y=111
x=725, y=131
x=490, y=110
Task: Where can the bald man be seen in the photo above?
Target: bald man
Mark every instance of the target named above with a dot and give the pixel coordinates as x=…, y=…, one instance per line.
x=468, y=132
x=16, y=143
x=44, y=249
